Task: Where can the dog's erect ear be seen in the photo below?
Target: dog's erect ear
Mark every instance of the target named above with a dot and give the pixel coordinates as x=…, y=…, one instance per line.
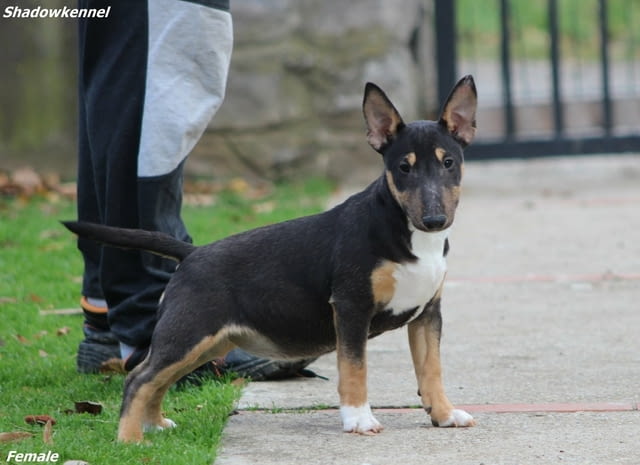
x=382, y=118
x=459, y=113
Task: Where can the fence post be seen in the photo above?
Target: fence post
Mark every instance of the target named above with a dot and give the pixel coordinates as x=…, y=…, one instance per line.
x=604, y=57
x=505, y=54
x=555, y=68
x=446, y=46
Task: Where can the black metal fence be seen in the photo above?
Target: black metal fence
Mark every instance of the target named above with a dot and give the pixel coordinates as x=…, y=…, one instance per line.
x=547, y=86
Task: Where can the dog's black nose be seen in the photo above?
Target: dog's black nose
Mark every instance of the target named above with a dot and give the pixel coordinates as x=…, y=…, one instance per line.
x=434, y=221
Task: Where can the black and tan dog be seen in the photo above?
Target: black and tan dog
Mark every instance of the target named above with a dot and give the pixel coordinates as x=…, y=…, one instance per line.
x=305, y=287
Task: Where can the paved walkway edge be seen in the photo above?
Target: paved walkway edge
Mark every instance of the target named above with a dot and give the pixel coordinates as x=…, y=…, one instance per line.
x=554, y=407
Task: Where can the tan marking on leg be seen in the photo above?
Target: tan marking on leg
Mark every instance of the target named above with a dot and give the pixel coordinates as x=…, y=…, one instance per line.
x=208, y=349
x=130, y=426
x=432, y=380
x=383, y=283
x=352, y=385
x=145, y=406
x=425, y=351
x=424, y=342
x=352, y=373
x=440, y=153
x=418, y=346
x=355, y=410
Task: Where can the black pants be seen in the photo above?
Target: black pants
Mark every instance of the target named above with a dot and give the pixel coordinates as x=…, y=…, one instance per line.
x=118, y=97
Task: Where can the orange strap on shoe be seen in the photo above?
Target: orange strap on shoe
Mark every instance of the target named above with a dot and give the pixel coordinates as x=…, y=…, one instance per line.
x=84, y=303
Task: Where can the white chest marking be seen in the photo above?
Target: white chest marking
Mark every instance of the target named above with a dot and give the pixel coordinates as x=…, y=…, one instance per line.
x=416, y=283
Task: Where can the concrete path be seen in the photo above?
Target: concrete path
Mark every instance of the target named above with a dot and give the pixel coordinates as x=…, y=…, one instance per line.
x=541, y=337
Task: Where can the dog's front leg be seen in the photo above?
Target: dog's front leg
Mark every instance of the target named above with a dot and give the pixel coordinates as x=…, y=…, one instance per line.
x=351, y=341
x=424, y=339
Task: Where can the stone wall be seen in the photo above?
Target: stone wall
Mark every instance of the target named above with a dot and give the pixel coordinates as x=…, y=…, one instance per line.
x=38, y=91
x=293, y=105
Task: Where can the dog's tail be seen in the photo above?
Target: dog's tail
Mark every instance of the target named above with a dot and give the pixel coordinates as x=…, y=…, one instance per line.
x=154, y=242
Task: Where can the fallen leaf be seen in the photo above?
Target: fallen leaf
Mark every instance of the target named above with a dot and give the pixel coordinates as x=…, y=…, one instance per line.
x=68, y=190
x=8, y=300
x=15, y=436
x=42, y=353
x=9, y=189
x=238, y=185
x=86, y=406
x=51, y=180
x=35, y=298
x=4, y=180
x=52, y=247
x=51, y=234
x=39, y=419
x=53, y=196
x=41, y=334
x=21, y=339
x=47, y=433
x=113, y=365
x=259, y=191
x=239, y=382
x=27, y=180
x=264, y=207
x=199, y=200
x=48, y=208
x=63, y=331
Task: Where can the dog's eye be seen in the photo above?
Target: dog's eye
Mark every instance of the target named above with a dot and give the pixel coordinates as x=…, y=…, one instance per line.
x=448, y=163
x=405, y=166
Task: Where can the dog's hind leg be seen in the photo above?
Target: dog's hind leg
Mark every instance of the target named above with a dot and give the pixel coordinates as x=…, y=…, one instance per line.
x=146, y=386
x=424, y=340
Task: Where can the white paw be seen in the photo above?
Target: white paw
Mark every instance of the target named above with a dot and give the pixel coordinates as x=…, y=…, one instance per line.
x=359, y=420
x=166, y=424
x=458, y=418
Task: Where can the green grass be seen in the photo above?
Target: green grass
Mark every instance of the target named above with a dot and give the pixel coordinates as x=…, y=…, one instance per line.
x=40, y=269
x=478, y=24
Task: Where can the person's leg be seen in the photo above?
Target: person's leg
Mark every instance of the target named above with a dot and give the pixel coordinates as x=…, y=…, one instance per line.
x=112, y=77
x=151, y=77
x=189, y=49
x=95, y=61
